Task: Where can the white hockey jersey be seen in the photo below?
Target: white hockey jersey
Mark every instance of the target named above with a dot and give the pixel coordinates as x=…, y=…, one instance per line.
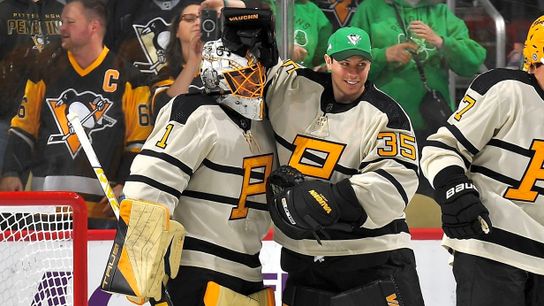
x=497, y=135
x=370, y=141
x=198, y=162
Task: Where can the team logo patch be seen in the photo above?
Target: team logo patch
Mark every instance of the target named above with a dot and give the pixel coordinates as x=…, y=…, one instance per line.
x=153, y=38
x=354, y=39
x=91, y=109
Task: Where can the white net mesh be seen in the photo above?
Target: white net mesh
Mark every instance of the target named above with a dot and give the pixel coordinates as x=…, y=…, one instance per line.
x=36, y=255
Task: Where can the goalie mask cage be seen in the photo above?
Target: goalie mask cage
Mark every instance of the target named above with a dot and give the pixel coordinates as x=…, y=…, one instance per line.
x=43, y=249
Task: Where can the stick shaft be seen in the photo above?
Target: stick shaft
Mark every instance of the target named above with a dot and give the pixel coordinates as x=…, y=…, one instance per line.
x=95, y=163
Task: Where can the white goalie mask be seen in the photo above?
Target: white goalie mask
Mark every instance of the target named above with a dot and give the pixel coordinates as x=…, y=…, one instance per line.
x=239, y=81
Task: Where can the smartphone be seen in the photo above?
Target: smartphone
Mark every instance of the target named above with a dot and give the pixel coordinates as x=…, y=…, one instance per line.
x=209, y=25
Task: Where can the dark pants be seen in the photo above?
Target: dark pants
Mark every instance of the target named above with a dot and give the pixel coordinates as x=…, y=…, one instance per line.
x=484, y=282
x=188, y=288
x=337, y=274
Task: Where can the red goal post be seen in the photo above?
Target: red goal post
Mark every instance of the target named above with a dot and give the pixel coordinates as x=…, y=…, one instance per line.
x=43, y=248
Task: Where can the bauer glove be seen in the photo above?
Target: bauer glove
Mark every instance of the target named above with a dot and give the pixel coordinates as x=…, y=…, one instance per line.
x=463, y=214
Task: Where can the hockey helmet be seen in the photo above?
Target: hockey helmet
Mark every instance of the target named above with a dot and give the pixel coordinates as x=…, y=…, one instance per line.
x=239, y=81
x=533, y=51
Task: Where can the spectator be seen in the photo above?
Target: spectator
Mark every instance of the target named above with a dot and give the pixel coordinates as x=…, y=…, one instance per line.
x=486, y=167
x=312, y=29
x=138, y=32
x=438, y=39
x=183, y=56
x=26, y=28
x=87, y=80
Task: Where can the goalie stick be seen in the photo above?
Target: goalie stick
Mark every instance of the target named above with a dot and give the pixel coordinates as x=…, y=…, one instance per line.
x=105, y=184
x=93, y=160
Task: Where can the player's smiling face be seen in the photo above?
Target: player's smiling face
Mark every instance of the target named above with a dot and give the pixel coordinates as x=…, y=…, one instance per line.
x=348, y=77
x=75, y=29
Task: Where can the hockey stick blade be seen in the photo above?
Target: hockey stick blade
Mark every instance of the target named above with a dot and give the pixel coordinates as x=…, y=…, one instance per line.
x=95, y=163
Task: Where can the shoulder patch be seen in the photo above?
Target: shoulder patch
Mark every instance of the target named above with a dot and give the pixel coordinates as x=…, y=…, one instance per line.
x=485, y=81
x=184, y=105
x=377, y=98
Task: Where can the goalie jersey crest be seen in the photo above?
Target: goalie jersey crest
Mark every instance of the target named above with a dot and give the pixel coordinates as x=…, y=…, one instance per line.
x=89, y=106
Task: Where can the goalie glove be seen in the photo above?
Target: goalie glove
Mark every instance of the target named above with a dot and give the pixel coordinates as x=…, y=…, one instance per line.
x=301, y=209
x=463, y=214
x=147, y=249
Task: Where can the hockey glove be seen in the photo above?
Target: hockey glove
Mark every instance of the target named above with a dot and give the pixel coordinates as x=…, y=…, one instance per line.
x=302, y=208
x=146, y=250
x=250, y=29
x=463, y=214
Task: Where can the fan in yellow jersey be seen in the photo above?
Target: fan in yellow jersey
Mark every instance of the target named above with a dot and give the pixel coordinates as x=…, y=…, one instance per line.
x=207, y=161
x=85, y=79
x=486, y=167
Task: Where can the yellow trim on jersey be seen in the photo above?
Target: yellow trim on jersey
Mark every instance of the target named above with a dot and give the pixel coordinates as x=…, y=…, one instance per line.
x=84, y=71
x=28, y=115
x=163, y=83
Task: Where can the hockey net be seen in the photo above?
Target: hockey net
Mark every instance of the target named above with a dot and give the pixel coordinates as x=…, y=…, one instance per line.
x=43, y=249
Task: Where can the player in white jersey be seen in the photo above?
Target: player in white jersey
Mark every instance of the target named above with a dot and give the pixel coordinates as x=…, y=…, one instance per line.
x=207, y=160
x=486, y=167
x=342, y=228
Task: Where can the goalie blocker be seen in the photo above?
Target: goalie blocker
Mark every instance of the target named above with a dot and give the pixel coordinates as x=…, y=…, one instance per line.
x=146, y=251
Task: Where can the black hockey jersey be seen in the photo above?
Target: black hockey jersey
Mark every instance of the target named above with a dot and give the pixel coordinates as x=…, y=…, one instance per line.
x=113, y=108
x=26, y=29
x=144, y=33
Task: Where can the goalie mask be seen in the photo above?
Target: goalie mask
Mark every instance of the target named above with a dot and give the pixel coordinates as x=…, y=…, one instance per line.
x=238, y=80
x=533, y=51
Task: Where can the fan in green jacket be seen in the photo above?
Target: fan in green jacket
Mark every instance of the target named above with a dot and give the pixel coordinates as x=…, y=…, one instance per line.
x=311, y=32
x=439, y=38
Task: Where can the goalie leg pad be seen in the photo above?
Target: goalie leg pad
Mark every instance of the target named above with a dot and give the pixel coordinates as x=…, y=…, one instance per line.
x=217, y=295
x=264, y=297
x=147, y=247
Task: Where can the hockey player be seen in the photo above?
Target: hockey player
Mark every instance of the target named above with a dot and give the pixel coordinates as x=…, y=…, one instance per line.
x=486, y=164
x=84, y=78
x=206, y=162
x=352, y=168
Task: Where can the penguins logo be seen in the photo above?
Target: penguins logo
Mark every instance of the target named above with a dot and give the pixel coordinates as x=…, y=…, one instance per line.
x=340, y=11
x=91, y=109
x=153, y=39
